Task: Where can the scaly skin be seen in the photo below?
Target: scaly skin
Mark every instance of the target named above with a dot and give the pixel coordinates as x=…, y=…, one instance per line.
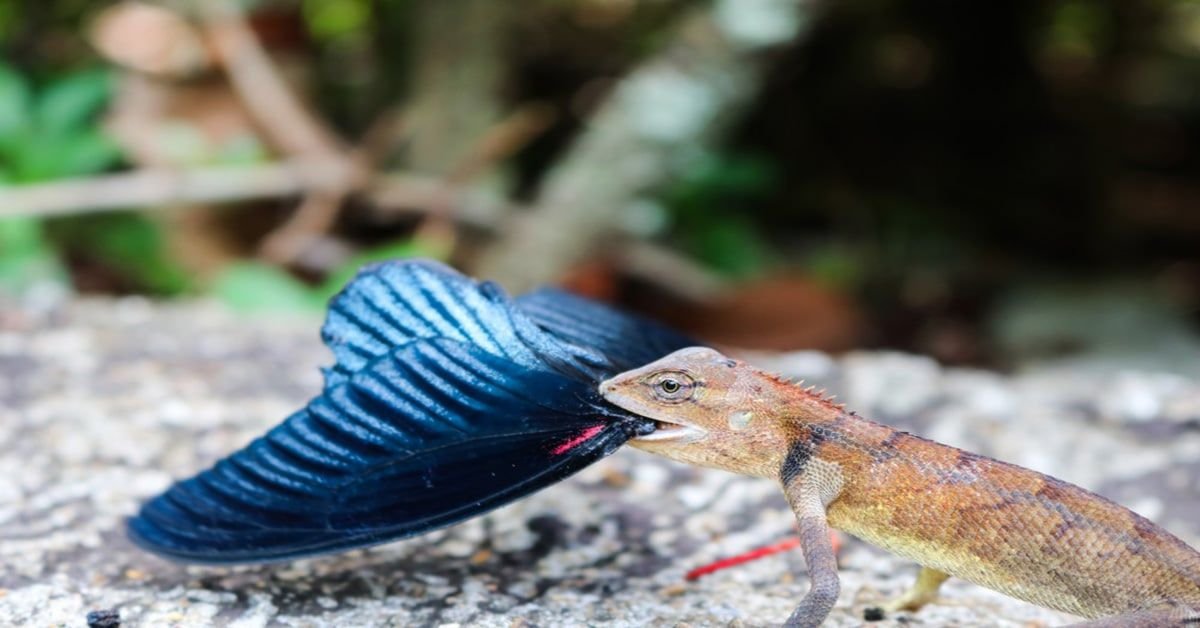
x=998, y=525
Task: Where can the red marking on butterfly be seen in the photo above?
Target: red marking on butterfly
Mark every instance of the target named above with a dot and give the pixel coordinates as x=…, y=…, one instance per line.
x=583, y=436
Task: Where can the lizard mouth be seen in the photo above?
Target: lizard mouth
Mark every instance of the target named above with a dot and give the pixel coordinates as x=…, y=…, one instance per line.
x=675, y=432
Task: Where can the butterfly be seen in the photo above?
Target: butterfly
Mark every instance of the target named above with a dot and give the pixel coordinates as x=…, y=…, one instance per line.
x=447, y=399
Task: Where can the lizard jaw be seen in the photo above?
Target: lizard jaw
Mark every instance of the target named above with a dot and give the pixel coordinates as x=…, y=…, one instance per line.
x=665, y=430
x=673, y=432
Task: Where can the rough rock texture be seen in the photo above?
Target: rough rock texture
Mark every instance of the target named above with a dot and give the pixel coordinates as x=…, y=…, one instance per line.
x=103, y=403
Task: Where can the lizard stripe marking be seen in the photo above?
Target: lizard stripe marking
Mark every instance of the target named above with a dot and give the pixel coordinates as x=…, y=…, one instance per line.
x=798, y=456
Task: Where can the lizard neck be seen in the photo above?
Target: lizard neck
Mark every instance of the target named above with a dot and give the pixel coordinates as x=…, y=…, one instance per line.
x=832, y=438
x=754, y=425
x=790, y=427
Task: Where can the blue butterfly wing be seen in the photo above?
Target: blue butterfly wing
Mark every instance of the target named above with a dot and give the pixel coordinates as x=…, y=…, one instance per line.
x=437, y=432
x=624, y=341
x=447, y=399
x=393, y=303
x=390, y=304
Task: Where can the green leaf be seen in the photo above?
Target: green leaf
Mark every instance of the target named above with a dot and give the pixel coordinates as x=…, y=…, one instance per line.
x=714, y=182
x=85, y=153
x=69, y=103
x=59, y=156
x=14, y=104
x=135, y=244
x=36, y=161
x=254, y=287
x=127, y=242
x=25, y=259
x=20, y=275
x=21, y=237
x=834, y=265
x=337, y=19
x=730, y=246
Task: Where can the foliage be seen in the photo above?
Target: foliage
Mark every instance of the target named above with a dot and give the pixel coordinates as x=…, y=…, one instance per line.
x=26, y=258
x=46, y=134
x=49, y=133
x=127, y=244
x=257, y=287
x=397, y=250
x=711, y=208
x=963, y=143
x=337, y=20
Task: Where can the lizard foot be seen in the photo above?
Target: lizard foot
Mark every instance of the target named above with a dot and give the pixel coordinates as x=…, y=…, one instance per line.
x=923, y=591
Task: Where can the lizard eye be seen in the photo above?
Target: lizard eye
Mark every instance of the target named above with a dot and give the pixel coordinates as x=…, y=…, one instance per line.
x=673, y=387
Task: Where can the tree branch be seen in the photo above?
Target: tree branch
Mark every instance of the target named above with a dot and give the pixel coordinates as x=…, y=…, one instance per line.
x=676, y=105
x=153, y=187
x=150, y=187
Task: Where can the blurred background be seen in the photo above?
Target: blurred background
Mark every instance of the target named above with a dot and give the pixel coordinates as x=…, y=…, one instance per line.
x=996, y=184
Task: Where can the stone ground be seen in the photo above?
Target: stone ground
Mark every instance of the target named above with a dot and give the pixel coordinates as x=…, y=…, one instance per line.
x=103, y=403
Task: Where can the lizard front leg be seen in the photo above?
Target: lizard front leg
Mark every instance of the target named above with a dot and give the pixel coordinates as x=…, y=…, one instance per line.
x=804, y=494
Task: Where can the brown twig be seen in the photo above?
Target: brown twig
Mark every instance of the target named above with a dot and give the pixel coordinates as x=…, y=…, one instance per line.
x=399, y=192
x=388, y=130
x=162, y=187
x=261, y=87
x=287, y=123
x=661, y=266
x=675, y=104
x=503, y=140
x=500, y=141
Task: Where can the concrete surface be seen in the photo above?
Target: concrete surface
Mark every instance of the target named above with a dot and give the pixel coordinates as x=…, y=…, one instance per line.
x=103, y=403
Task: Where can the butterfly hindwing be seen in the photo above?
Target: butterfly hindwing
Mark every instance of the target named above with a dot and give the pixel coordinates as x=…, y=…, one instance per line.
x=390, y=304
x=437, y=432
x=446, y=399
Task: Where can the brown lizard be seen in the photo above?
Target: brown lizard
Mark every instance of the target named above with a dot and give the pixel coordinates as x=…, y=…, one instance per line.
x=1025, y=534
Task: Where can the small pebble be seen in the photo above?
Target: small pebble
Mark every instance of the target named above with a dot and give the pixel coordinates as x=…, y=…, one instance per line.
x=873, y=613
x=105, y=618
x=616, y=478
x=673, y=589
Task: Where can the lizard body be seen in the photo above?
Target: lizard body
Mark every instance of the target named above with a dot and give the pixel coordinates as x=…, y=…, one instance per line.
x=995, y=524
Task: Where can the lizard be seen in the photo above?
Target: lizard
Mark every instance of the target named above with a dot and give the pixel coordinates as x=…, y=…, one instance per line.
x=1022, y=533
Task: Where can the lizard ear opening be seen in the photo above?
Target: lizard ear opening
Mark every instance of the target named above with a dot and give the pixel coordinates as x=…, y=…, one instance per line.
x=740, y=420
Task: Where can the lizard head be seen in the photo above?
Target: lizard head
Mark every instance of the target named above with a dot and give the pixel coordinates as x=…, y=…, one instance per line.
x=710, y=410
